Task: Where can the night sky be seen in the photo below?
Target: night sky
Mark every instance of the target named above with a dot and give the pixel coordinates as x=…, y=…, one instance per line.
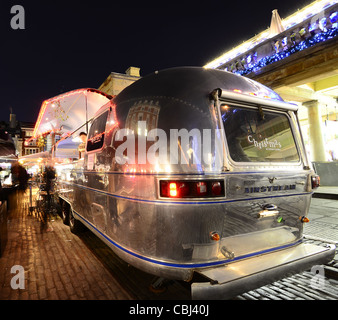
x=68, y=45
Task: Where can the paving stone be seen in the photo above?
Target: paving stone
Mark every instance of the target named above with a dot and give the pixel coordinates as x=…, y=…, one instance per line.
x=58, y=265
x=61, y=266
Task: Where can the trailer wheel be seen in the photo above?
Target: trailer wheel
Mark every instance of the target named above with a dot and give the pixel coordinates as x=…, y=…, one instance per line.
x=75, y=225
x=65, y=208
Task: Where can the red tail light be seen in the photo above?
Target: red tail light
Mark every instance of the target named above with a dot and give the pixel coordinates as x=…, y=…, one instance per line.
x=173, y=189
x=216, y=188
x=201, y=189
x=191, y=189
x=315, y=181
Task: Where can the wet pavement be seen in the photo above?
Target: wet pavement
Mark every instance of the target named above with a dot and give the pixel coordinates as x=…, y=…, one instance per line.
x=59, y=265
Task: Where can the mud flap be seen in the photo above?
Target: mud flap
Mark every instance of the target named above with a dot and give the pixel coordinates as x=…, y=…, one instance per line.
x=241, y=276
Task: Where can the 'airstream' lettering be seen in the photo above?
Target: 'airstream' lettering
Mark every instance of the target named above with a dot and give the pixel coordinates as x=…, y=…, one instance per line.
x=270, y=188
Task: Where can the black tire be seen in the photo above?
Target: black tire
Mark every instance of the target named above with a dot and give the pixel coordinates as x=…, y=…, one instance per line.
x=75, y=225
x=65, y=208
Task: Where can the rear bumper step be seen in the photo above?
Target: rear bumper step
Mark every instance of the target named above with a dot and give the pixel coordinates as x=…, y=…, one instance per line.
x=241, y=276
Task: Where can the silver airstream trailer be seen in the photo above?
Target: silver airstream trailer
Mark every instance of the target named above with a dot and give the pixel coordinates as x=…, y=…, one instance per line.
x=193, y=170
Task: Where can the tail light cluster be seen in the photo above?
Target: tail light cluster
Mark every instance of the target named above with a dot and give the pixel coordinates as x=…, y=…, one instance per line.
x=315, y=180
x=191, y=189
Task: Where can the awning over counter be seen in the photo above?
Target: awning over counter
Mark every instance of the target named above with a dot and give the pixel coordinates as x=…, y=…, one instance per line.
x=67, y=112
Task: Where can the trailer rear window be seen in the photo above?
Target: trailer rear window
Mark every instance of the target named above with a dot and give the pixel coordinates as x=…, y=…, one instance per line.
x=257, y=135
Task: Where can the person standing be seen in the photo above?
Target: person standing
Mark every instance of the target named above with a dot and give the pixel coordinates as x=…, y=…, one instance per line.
x=49, y=176
x=82, y=145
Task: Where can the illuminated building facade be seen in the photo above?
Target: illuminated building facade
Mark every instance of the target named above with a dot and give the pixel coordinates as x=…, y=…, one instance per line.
x=31, y=147
x=300, y=63
x=116, y=82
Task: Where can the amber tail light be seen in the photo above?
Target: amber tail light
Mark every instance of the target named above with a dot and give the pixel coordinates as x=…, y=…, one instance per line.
x=315, y=181
x=191, y=189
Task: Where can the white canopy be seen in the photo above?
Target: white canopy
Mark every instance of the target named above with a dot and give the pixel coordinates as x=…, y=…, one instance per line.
x=67, y=112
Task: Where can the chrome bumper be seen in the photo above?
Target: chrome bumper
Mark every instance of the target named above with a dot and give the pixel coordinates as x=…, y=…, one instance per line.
x=238, y=277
